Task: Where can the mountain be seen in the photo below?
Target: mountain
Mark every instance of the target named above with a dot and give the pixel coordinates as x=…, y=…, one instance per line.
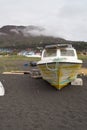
x=25, y=36
x=20, y=30
x=21, y=37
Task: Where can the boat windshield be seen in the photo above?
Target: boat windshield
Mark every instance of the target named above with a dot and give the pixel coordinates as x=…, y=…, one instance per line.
x=50, y=53
x=67, y=52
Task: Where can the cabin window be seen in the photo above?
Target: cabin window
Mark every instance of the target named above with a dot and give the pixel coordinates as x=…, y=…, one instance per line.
x=67, y=53
x=50, y=52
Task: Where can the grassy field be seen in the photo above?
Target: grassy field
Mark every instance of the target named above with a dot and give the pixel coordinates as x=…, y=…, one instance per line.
x=82, y=57
x=17, y=63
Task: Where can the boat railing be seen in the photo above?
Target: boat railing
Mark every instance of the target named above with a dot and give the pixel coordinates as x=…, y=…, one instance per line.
x=58, y=46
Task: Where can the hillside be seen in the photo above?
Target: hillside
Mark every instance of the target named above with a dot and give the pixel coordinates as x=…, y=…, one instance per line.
x=12, y=36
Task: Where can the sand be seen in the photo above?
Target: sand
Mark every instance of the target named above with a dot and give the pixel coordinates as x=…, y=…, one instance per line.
x=33, y=104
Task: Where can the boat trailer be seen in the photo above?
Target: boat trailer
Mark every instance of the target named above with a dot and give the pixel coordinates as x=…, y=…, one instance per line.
x=35, y=73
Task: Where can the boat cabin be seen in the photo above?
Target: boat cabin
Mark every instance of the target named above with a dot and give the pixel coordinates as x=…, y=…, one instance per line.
x=59, y=51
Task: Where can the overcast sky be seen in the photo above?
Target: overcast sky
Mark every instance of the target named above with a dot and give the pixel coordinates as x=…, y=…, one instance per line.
x=62, y=18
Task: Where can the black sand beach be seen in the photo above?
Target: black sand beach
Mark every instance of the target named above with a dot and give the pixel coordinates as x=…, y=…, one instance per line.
x=32, y=104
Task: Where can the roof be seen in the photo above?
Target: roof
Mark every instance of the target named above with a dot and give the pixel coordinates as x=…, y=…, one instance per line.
x=58, y=46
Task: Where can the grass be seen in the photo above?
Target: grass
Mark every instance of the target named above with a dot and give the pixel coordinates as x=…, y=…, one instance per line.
x=82, y=57
x=14, y=62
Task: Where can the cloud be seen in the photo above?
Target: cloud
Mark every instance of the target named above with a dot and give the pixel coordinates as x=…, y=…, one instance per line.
x=62, y=18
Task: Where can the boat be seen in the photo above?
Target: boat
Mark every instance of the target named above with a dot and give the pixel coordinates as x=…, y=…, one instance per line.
x=59, y=64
